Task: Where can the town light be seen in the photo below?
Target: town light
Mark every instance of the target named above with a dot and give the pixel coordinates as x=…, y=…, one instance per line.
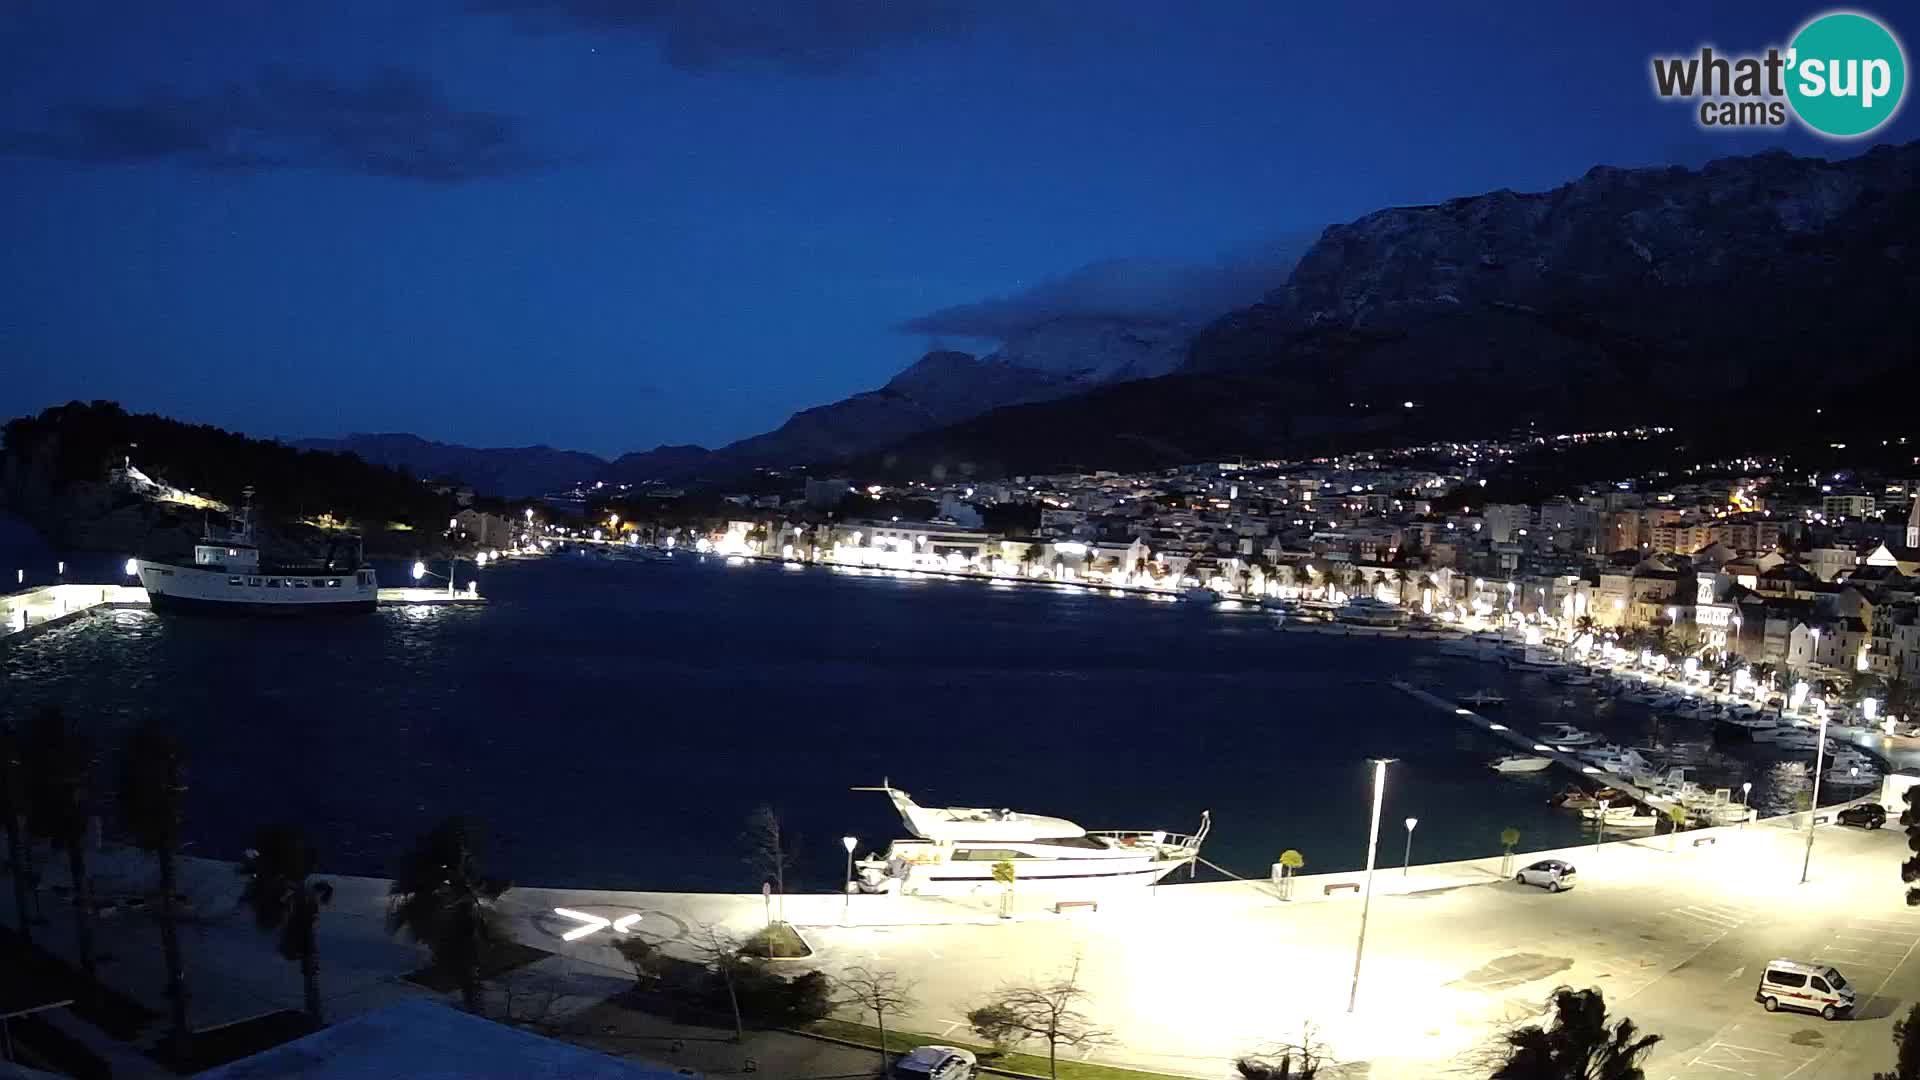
x=1407, y=859
x=1746, y=792
x=133, y=568
x=1373, y=848
x=1813, y=808
x=419, y=570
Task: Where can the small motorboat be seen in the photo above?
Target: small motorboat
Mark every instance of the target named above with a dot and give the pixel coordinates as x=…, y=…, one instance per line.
x=1567, y=735
x=1484, y=699
x=1575, y=799
x=1520, y=763
x=1621, y=817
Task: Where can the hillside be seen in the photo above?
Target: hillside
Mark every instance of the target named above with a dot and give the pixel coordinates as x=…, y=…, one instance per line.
x=511, y=472
x=54, y=471
x=1750, y=291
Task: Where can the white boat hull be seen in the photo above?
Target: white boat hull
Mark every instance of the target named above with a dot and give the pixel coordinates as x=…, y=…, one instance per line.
x=214, y=591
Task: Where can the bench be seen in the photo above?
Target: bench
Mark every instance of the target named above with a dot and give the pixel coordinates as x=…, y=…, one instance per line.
x=1060, y=907
x=1328, y=890
x=1706, y=840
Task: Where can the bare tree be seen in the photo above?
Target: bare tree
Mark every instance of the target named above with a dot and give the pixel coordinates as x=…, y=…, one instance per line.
x=1301, y=1060
x=880, y=993
x=721, y=951
x=769, y=852
x=1040, y=1010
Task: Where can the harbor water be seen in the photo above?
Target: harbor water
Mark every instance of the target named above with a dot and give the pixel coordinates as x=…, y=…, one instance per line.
x=612, y=724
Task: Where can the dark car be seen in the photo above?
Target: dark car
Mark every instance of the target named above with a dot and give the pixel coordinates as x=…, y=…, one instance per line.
x=1865, y=815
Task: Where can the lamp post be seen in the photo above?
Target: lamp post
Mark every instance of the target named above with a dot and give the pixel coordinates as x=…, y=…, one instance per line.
x=1373, y=848
x=846, y=904
x=1746, y=802
x=1813, y=808
x=1407, y=859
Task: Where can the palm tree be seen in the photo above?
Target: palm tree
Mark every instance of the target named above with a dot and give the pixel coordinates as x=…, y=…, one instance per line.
x=284, y=897
x=58, y=763
x=152, y=780
x=1581, y=1044
x=13, y=804
x=441, y=899
x=1584, y=625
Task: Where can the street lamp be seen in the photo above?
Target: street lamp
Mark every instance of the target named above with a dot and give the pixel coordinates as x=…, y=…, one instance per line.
x=1813, y=808
x=846, y=905
x=1407, y=859
x=419, y=570
x=1746, y=793
x=1373, y=848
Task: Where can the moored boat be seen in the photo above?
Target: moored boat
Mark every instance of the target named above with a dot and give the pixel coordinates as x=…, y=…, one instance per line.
x=956, y=847
x=228, y=577
x=1520, y=763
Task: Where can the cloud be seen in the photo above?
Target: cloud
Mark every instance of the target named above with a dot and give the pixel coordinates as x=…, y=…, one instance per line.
x=396, y=123
x=1142, y=291
x=810, y=37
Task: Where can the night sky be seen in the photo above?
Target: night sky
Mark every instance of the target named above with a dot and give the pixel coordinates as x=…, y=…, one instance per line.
x=606, y=224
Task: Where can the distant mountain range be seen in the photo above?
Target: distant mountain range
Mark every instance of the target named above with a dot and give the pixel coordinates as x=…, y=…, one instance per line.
x=514, y=472
x=1743, y=292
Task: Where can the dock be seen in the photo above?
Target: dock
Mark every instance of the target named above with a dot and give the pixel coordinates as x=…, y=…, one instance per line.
x=1530, y=745
x=32, y=611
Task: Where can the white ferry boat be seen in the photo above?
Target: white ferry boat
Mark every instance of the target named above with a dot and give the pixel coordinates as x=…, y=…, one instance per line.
x=226, y=577
x=957, y=847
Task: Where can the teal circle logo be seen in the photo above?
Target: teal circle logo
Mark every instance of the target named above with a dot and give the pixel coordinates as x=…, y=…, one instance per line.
x=1846, y=74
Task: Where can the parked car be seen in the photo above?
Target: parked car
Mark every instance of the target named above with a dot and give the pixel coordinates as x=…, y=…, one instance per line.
x=1550, y=874
x=1790, y=984
x=935, y=1063
x=1864, y=815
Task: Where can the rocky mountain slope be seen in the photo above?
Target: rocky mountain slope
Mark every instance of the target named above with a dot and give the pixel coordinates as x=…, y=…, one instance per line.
x=941, y=388
x=1746, y=291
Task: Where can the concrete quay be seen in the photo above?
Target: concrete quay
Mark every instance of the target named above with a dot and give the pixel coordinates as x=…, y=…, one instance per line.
x=1673, y=929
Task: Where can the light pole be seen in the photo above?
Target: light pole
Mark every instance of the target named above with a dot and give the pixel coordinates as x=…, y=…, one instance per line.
x=1746, y=801
x=1373, y=848
x=1407, y=859
x=1813, y=808
x=846, y=905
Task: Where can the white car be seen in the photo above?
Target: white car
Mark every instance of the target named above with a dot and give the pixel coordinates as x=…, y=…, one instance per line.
x=935, y=1063
x=1550, y=874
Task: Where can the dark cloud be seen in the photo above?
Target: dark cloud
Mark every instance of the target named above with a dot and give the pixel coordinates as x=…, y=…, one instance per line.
x=804, y=37
x=396, y=123
x=1144, y=291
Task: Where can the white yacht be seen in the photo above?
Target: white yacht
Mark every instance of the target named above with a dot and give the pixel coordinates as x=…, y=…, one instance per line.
x=1484, y=699
x=1366, y=611
x=1199, y=594
x=226, y=577
x=1536, y=658
x=957, y=847
x=1520, y=763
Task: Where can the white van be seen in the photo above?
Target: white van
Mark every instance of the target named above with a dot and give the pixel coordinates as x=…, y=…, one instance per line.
x=1790, y=984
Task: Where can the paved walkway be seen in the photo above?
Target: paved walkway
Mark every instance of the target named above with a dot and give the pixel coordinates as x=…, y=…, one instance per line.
x=1190, y=975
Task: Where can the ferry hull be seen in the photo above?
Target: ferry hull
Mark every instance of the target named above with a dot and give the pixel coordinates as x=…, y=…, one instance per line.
x=190, y=605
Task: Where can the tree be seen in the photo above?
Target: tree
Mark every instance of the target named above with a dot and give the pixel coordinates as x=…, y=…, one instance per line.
x=58, y=763
x=721, y=953
x=13, y=807
x=768, y=851
x=1509, y=839
x=1906, y=1045
x=1039, y=1010
x=1290, y=863
x=1004, y=873
x=1300, y=1060
x=284, y=897
x=1581, y=1044
x=1677, y=816
x=443, y=901
x=880, y=993
x=152, y=781
x=1910, y=820
x=1584, y=625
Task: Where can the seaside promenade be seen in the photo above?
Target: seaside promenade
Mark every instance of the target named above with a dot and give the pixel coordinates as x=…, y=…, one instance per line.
x=1187, y=976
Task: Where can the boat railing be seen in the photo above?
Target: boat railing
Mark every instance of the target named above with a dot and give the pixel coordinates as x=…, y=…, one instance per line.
x=1160, y=837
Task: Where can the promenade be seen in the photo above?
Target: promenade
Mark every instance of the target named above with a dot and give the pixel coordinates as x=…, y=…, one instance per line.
x=1189, y=975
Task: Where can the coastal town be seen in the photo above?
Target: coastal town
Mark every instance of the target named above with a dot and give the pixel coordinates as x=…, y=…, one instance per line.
x=1749, y=558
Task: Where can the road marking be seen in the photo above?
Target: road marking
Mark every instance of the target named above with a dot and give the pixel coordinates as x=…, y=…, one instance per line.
x=1736, y=972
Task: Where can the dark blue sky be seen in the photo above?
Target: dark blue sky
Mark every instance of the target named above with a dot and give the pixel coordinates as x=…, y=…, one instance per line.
x=606, y=224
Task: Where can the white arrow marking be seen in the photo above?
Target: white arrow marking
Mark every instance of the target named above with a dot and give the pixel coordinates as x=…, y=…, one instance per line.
x=1736, y=973
x=588, y=923
x=624, y=924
